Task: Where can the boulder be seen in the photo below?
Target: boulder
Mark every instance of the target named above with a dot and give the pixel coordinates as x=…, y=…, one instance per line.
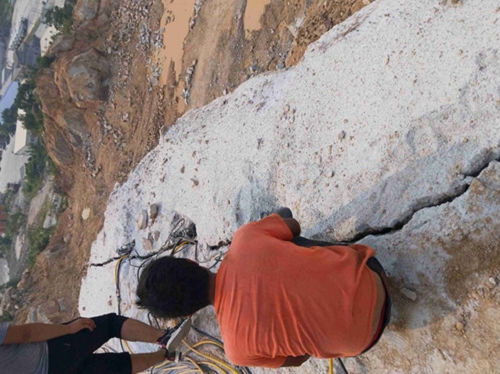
x=86, y=78
x=62, y=149
x=62, y=43
x=48, y=311
x=32, y=315
x=86, y=10
x=6, y=301
x=24, y=280
x=49, y=221
x=76, y=126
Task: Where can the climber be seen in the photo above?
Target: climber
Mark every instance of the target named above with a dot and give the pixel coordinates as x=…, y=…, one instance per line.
x=279, y=298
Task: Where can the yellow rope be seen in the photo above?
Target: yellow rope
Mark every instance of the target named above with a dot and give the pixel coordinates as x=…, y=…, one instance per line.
x=223, y=364
x=213, y=365
x=212, y=342
x=194, y=363
x=166, y=362
x=117, y=265
x=128, y=347
x=208, y=342
x=179, y=246
x=330, y=363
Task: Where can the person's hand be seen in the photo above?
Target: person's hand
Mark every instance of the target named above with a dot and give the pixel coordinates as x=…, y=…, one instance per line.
x=80, y=324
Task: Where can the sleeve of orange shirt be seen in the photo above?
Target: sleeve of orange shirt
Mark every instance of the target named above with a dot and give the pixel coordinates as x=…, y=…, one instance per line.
x=274, y=226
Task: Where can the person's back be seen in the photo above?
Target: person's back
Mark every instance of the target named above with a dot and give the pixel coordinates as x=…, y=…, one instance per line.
x=279, y=298
x=274, y=299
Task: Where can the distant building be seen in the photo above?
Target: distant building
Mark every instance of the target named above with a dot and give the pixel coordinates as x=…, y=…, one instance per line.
x=29, y=51
x=14, y=187
x=19, y=34
x=6, y=73
x=23, y=138
x=46, y=36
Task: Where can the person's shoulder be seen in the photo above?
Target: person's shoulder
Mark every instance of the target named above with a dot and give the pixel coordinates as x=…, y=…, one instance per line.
x=272, y=226
x=272, y=222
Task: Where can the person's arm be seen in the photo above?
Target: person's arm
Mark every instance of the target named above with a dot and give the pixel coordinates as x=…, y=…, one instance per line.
x=295, y=361
x=283, y=228
x=39, y=332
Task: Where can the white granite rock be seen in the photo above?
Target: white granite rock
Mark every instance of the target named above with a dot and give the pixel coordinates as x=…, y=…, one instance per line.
x=414, y=87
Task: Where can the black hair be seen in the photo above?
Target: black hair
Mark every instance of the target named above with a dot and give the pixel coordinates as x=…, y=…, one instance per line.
x=172, y=287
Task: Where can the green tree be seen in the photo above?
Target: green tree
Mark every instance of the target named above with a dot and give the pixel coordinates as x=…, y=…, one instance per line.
x=38, y=238
x=9, y=119
x=36, y=167
x=8, y=126
x=6, y=9
x=26, y=95
x=14, y=221
x=6, y=317
x=31, y=122
x=44, y=61
x=61, y=18
x=5, y=245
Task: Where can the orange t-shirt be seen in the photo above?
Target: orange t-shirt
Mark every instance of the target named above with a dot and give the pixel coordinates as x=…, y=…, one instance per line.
x=274, y=299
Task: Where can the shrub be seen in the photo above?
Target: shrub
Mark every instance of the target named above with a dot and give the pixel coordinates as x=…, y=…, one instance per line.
x=37, y=165
x=6, y=317
x=14, y=221
x=61, y=18
x=38, y=238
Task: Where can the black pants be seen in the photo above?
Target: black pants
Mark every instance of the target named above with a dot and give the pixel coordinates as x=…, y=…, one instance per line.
x=74, y=354
x=376, y=266
x=372, y=263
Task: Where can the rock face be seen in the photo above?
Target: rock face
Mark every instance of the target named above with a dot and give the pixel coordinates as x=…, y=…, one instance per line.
x=48, y=311
x=74, y=87
x=413, y=89
x=62, y=43
x=86, y=10
x=86, y=76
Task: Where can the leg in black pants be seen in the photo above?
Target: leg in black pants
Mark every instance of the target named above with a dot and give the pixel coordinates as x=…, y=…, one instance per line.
x=73, y=354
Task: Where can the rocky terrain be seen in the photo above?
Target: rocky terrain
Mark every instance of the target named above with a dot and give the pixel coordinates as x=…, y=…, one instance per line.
x=386, y=132
x=109, y=93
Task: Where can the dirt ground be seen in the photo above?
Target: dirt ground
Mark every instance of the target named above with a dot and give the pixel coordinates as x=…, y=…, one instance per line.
x=209, y=48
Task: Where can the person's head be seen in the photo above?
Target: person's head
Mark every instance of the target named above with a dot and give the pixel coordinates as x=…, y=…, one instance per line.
x=172, y=287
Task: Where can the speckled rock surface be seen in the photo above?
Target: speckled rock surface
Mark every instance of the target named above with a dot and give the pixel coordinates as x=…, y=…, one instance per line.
x=387, y=133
